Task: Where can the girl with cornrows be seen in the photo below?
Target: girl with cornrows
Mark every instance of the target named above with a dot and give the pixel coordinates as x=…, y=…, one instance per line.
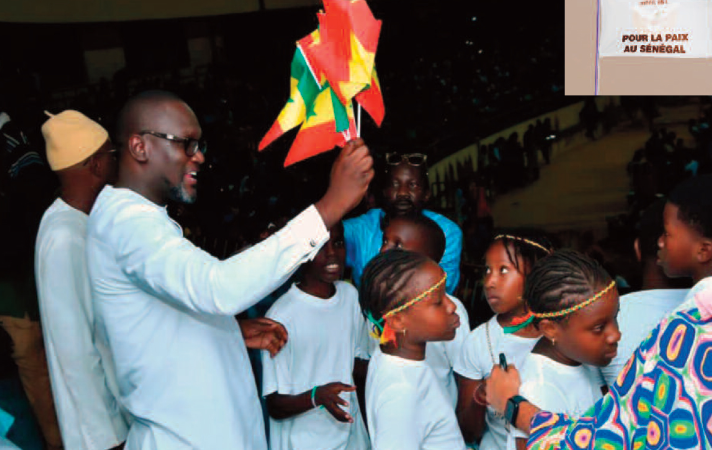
x=403, y=297
x=508, y=260
x=574, y=303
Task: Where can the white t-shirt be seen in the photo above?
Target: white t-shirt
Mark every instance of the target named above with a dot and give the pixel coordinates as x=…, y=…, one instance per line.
x=407, y=408
x=476, y=361
x=639, y=313
x=441, y=355
x=556, y=387
x=325, y=335
x=88, y=413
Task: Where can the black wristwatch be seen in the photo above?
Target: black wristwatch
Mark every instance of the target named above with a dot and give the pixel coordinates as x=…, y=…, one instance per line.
x=512, y=410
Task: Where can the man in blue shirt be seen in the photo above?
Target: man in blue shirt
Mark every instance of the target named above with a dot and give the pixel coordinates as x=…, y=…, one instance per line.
x=405, y=192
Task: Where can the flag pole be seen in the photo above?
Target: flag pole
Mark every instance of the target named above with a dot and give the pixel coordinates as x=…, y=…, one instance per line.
x=306, y=60
x=358, y=121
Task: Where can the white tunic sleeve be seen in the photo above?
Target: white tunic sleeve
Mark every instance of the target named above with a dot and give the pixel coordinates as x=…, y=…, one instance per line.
x=152, y=252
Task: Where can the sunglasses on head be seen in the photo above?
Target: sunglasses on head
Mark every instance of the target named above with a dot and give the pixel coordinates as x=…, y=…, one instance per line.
x=414, y=159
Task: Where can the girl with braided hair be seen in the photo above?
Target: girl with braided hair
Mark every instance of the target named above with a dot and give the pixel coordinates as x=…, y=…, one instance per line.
x=508, y=259
x=402, y=294
x=661, y=397
x=574, y=303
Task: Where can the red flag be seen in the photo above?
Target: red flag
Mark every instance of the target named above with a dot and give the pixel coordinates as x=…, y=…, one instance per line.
x=372, y=100
x=346, y=54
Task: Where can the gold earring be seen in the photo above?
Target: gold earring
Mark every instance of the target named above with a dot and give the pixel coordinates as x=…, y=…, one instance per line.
x=553, y=342
x=404, y=330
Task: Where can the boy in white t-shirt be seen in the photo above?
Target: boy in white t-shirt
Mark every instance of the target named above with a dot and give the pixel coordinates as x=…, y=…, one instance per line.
x=308, y=385
x=659, y=295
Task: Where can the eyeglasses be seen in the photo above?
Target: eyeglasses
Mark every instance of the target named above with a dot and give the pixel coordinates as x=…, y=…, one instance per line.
x=191, y=146
x=414, y=159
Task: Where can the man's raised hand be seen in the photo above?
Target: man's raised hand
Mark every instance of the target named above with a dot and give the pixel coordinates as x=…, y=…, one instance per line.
x=350, y=176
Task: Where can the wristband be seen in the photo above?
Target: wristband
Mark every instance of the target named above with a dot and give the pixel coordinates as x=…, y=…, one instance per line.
x=312, y=397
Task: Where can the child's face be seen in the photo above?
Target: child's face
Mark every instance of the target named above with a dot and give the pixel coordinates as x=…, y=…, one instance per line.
x=434, y=317
x=405, y=190
x=678, y=245
x=403, y=234
x=503, y=283
x=328, y=265
x=591, y=335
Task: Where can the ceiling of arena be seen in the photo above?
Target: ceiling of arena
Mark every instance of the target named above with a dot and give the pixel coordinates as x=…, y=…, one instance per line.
x=66, y=11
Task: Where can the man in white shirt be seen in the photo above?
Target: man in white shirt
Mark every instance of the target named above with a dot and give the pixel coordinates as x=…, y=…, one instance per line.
x=641, y=311
x=81, y=154
x=165, y=308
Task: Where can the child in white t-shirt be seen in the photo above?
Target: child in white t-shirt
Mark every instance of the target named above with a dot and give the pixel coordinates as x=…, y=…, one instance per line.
x=509, y=259
x=403, y=296
x=575, y=304
x=308, y=385
x=420, y=234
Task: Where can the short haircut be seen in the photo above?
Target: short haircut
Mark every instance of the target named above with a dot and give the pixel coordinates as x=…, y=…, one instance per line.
x=386, y=279
x=523, y=250
x=129, y=119
x=430, y=231
x=650, y=228
x=693, y=197
x=563, y=279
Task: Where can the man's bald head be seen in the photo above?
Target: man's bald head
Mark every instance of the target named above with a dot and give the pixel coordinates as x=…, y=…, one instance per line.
x=155, y=130
x=138, y=112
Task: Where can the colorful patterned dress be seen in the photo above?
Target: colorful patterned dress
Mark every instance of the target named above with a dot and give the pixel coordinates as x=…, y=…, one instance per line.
x=661, y=399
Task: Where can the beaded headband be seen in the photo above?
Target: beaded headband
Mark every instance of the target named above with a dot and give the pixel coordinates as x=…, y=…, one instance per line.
x=564, y=312
x=416, y=299
x=381, y=330
x=528, y=241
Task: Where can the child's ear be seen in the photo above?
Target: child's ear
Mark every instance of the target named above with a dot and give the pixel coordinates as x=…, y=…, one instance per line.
x=550, y=329
x=704, y=252
x=397, y=322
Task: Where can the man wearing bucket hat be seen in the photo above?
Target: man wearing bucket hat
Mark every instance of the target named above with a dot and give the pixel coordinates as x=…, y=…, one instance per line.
x=80, y=153
x=166, y=307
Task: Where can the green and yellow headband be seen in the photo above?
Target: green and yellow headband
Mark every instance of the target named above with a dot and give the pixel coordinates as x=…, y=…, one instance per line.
x=573, y=309
x=381, y=330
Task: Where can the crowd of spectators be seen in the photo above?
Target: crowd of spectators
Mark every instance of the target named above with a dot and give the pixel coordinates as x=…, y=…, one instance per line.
x=664, y=161
x=444, y=81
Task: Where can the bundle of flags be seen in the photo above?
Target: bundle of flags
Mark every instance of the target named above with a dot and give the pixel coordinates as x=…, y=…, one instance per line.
x=332, y=67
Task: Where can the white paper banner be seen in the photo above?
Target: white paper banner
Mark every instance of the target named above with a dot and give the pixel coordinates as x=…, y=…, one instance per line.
x=659, y=28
